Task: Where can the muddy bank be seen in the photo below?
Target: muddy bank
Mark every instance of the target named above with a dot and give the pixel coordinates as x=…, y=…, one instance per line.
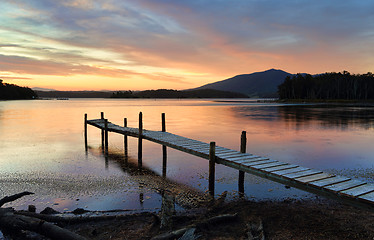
x=290, y=219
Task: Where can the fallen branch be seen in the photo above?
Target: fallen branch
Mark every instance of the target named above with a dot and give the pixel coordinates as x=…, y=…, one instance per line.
x=75, y=219
x=11, y=221
x=14, y=197
x=211, y=221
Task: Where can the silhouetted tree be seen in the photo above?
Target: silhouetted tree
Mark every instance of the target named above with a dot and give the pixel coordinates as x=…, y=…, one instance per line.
x=328, y=86
x=11, y=92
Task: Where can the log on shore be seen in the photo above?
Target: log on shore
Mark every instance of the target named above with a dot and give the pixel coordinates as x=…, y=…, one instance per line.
x=11, y=221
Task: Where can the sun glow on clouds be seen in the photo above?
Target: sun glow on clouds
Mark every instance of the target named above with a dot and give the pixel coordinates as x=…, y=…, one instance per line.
x=117, y=44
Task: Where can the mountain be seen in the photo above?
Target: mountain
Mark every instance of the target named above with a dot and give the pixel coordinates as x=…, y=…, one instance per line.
x=258, y=84
x=43, y=89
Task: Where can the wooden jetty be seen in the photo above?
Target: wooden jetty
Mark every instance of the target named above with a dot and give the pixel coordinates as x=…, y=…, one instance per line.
x=344, y=189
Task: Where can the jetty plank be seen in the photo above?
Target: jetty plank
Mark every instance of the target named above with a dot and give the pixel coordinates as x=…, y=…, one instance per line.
x=360, y=190
x=282, y=167
x=315, y=177
x=301, y=174
x=268, y=165
x=368, y=197
x=291, y=170
x=252, y=158
x=345, y=185
x=251, y=164
x=329, y=181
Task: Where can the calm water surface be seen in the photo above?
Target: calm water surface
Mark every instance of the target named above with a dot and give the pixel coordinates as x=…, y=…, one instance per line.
x=42, y=148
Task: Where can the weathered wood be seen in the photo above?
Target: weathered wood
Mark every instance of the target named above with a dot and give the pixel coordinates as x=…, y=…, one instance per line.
x=315, y=177
x=14, y=197
x=102, y=131
x=15, y=222
x=361, y=190
x=329, y=181
x=245, y=159
x=125, y=138
x=345, y=185
x=140, y=141
x=282, y=167
x=212, y=162
x=301, y=174
x=369, y=197
x=291, y=170
x=243, y=148
x=253, y=163
x=164, y=160
x=230, y=154
x=264, y=166
x=241, y=157
x=163, y=122
x=85, y=132
x=106, y=144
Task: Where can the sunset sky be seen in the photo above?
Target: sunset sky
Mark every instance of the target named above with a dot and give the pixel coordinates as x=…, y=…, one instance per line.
x=178, y=44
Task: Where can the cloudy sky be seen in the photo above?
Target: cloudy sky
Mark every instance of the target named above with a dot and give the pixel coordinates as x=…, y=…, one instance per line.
x=179, y=44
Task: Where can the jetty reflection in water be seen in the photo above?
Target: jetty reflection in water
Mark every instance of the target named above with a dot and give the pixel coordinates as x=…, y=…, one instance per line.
x=185, y=196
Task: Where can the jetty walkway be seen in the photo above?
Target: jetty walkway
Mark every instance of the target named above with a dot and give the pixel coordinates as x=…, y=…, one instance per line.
x=344, y=189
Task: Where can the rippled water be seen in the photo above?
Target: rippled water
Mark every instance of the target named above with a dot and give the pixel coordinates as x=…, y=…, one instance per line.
x=42, y=149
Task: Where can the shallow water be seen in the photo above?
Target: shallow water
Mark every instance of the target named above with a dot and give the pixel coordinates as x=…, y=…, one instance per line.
x=42, y=148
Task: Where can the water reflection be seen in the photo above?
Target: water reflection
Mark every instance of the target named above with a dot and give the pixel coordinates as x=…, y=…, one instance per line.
x=148, y=179
x=331, y=116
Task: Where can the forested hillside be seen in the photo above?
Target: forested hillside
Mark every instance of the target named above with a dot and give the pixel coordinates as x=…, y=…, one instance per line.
x=342, y=85
x=13, y=92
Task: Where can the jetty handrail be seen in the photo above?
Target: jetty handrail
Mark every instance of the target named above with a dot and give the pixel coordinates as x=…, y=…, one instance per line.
x=343, y=189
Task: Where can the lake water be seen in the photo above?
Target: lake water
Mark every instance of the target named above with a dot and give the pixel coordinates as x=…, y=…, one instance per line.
x=42, y=148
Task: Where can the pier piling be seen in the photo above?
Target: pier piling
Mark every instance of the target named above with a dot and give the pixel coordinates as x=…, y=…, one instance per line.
x=212, y=167
x=85, y=132
x=102, y=131
x=125, y=139
x=140, y=141
x=164, y=150
x=106, y=136
x=243, y=146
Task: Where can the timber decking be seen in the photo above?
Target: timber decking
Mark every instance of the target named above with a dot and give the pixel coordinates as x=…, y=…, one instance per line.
x=351, y=191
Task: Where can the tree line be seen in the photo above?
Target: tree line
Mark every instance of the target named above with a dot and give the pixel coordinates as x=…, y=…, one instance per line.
x=170, y=93
x=12, y=92
x=342, y=85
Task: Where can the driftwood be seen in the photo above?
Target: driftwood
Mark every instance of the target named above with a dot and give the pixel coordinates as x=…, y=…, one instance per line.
x=189, y=235
x=13, y=197
x=255, y=230
x=16, y=222
x=209, y=222
x=11, y=221
x=74, y=219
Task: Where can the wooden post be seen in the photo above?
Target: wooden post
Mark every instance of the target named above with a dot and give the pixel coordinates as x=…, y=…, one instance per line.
x=125, y=143
x=212, y=161
x=243, y=146
x=106, y=135
x=163, y=122
x=140, y=141
x=85, y=132
x=164, y=151
x=164, y=161
x=102, y=132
